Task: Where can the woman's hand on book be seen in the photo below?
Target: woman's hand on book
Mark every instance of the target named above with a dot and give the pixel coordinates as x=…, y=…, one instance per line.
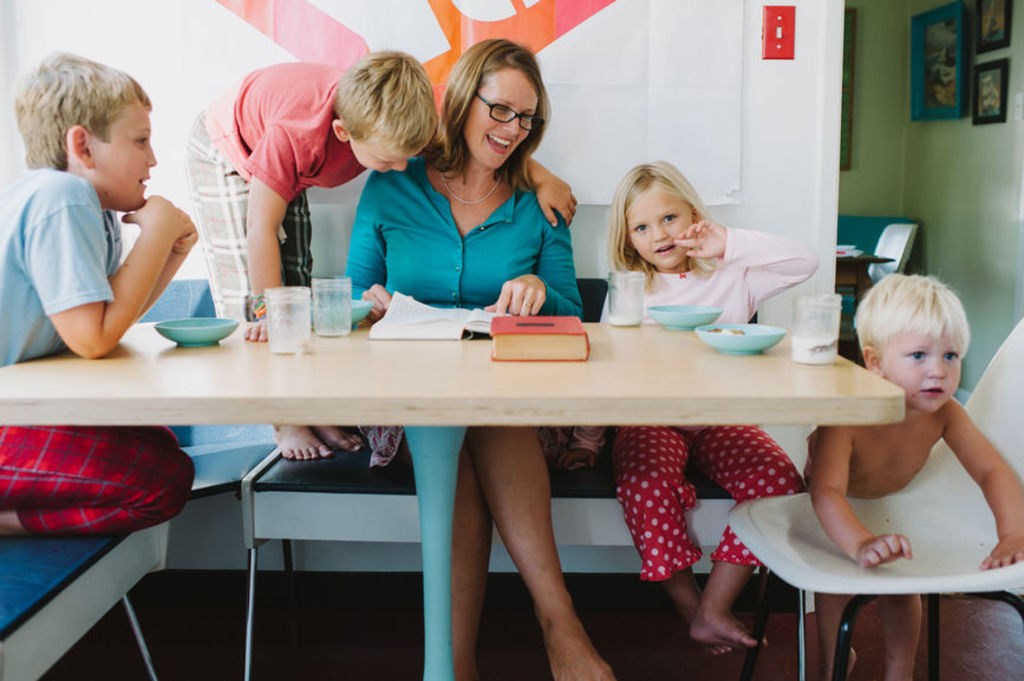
x=379, y=296
x=521, y=296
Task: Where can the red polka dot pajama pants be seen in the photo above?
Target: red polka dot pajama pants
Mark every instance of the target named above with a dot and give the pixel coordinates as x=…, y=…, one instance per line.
x=650, y=466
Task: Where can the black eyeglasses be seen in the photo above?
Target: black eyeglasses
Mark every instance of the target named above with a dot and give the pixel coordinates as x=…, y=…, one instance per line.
x=504, y=114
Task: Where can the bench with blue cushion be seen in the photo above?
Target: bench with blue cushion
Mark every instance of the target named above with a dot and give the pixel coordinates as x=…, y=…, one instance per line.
x=54, y=589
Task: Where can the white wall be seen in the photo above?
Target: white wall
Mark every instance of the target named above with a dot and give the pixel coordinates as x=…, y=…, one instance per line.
x=177, y=50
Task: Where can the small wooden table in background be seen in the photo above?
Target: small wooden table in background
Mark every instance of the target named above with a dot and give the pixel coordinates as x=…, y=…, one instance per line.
x=852, y=275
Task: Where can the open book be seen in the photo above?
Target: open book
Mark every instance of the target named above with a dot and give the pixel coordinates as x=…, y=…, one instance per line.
x=409, y=319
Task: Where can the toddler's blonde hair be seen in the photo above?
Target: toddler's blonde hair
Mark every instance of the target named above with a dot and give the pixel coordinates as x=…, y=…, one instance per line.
x=66, y=90
x=915, y=303
x=386, y=97
x=662, y=176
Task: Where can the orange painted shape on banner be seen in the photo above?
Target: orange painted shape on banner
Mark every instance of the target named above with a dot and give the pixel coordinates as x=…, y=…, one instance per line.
x=531, y=26
x=571, y=13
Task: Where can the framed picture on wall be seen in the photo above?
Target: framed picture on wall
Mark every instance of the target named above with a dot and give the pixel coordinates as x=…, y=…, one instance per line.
x=990, y=92
x=993, y=31
x=937, y=56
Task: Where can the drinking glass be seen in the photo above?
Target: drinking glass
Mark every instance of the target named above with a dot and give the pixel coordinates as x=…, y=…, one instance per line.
x=332, y=306
x=815, y=337
x=626, y=298
x=288, y=319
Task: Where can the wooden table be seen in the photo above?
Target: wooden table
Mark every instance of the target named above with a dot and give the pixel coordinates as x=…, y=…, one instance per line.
x=639, y=375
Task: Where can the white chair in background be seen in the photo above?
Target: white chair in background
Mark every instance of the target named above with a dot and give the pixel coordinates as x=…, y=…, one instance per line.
x=895, y=242
x=942, y=512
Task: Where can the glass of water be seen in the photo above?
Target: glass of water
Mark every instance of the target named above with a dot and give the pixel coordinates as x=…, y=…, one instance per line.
x=332, y=306
x=288, y=319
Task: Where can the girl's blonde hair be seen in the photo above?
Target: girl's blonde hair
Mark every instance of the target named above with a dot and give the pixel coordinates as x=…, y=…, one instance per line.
x=449, y=152
x=662, y=176
x=915, y=303
x=66, y=90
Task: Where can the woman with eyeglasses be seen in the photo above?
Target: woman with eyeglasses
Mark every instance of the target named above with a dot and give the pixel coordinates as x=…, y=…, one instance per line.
x=461, y=227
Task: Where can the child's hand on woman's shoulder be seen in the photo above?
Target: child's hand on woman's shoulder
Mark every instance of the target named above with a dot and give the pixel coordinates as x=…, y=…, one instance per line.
x=1008, y=551
x=885, y=548
x=704, y=239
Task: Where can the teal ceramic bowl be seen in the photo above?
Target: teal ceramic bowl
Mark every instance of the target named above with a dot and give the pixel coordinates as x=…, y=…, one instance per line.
x=683, y=317
x=196, y=331
x=360, y=308
x=740, y=339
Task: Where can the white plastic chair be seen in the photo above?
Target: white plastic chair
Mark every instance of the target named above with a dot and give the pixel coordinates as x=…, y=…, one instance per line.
x=895, y=242
x=942, y=512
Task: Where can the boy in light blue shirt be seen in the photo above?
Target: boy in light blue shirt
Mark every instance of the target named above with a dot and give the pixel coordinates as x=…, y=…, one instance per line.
x=62, y=285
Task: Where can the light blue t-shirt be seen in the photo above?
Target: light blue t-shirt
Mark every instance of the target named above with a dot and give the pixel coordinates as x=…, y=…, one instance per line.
x=405, y=239
x=57, y=250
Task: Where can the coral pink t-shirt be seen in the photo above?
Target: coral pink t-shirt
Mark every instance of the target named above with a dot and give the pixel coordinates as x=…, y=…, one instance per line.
x=276, y=126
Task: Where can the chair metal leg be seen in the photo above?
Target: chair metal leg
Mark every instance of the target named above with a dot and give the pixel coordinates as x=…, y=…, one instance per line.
x=845, y=637
x=801, y=635
x=139, y=639
x=760, y=624
x=250, y=608
x=290, y=588
x=933, y=637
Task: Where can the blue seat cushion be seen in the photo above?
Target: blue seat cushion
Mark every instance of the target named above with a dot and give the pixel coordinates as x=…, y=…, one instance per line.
x=33, y=570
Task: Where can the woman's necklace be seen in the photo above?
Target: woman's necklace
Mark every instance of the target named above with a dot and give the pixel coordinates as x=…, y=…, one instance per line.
x=463, y=201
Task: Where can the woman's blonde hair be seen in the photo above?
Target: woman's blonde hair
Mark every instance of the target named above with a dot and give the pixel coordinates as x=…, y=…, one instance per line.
x=663, y=176
x=449, y=152
x=66, y=90
x=387, y=97
x=915, y=303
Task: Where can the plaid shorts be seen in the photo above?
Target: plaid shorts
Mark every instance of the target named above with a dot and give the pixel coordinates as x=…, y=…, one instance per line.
x=220, y=197
x=92, y=480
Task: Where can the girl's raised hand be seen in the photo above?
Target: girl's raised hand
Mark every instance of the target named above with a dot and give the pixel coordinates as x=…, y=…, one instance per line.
x=704, y=239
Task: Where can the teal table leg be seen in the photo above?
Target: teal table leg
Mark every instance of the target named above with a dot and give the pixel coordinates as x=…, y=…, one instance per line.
x=435, y=458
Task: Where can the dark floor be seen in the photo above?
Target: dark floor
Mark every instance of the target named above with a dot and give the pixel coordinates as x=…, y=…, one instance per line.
x=359, y=626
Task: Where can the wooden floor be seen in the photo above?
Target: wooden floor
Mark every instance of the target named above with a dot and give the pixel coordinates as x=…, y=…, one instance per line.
x=359, y=626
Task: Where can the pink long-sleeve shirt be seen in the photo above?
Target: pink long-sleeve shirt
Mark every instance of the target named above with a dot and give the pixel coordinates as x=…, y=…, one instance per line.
x=754, y=267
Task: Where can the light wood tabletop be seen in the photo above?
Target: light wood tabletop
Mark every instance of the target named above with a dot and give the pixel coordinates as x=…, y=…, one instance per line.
x=636, y=375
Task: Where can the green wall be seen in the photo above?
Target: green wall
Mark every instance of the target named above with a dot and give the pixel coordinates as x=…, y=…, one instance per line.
x=874, y=183
x=960, y=181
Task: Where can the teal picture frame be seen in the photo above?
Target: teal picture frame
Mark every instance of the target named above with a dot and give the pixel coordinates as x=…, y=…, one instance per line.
x=938, y=58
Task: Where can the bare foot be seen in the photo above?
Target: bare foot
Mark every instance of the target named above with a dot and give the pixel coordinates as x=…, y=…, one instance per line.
x=571, y=654
x=720, y=632
x=337, y=438
x=299, y=442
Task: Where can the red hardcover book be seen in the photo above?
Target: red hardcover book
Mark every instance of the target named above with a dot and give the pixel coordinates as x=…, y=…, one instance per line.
x=539, y=338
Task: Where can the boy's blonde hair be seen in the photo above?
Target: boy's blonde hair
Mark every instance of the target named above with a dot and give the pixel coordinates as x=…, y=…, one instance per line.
x=662, y=176
x=915, y=303
x=449, y=152
x=66, y=90
x=386, y=97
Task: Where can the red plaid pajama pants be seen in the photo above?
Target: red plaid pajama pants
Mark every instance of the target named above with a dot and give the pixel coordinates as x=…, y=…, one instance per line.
x=85, y=480
x=650, y=466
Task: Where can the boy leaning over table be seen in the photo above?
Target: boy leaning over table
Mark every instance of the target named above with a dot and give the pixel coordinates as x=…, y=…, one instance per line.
x=86, y=131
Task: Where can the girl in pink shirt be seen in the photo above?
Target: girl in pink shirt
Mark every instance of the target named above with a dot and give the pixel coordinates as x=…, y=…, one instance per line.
x=660, y=226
